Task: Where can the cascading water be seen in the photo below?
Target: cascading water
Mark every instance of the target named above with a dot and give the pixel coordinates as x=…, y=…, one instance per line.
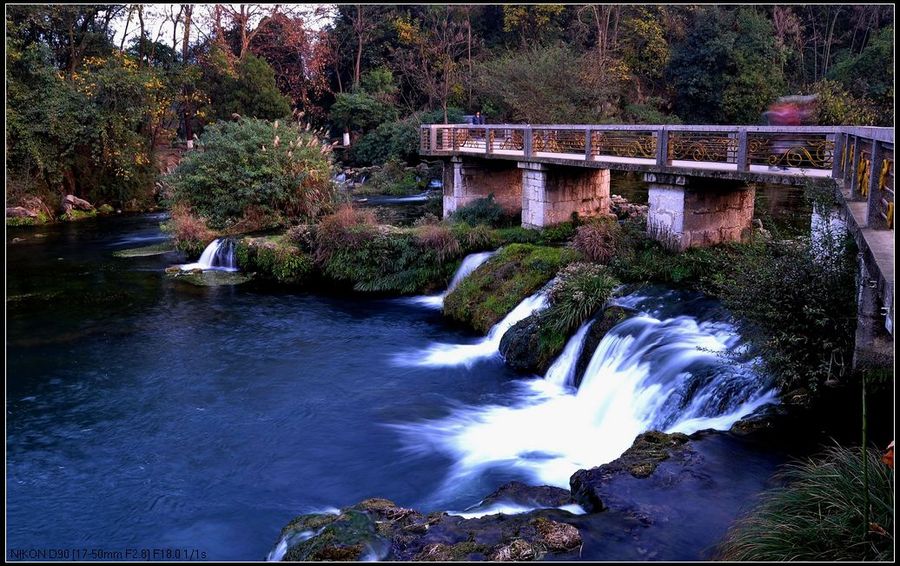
x=466, y=354
x=218, y=255
x=677, y=374
x=562, y=372
x=468, y=265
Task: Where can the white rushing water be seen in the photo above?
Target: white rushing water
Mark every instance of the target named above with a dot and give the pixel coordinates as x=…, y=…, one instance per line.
x=468, y=265
x=562, y=372
x=440, y=354
x=218, y=255
x=676, y=375
x=509, y=508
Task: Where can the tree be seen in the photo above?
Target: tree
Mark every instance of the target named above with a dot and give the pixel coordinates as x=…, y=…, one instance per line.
x=248, y=90
x=429, y=55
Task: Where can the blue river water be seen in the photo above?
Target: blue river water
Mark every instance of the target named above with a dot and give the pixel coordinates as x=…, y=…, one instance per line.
x=147, y=413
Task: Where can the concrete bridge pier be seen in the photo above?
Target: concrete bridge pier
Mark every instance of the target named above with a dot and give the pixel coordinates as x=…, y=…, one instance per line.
x=686, y=212
x=465, y=181
x=874, y=345
x=551, y=195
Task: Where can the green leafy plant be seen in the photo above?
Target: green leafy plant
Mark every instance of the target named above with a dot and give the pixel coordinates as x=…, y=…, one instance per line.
x=819, y=513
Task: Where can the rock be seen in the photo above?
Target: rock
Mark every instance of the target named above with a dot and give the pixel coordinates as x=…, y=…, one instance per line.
x=766, y=419
x=518, y=549
x=520, y=349
x=556, y=535
x=544, y=496
x=798, y=397
x=20, y=212
x=623, y=209
x=378, y=528
x=106, y=209
x=71, y=202
x=640, y=461
x=603, y=322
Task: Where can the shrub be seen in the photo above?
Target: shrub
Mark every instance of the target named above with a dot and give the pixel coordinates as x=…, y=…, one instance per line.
x=439, y=239
x=190, y=234
x=253, y=164
x=579, y=290
x=819, y=514
x=274, y=257
x=348, y=227
x=303, y=236
x=495, y=288
x=480, y=211
x=598, y=240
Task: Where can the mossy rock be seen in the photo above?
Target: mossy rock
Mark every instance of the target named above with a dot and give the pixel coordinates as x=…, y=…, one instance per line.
x=76, y=215
x=494, y=289
x=211, y=278
x=146, y=251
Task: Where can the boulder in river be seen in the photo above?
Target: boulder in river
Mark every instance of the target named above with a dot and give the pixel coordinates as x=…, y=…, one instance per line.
x=380, y=529
x=71, y=202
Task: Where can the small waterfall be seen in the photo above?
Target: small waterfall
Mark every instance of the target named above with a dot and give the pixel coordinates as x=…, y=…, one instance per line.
x=218, y=255
x=439, y=354
x=676, y=374
x=468, y=265
x=562, y=372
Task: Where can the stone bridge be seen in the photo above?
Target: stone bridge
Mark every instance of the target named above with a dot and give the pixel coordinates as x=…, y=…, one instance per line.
x=701, y=186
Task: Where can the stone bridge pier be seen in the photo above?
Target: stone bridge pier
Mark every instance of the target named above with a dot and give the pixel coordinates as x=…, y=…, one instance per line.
x=686, y=212
x=544, y=194
x=465, y=181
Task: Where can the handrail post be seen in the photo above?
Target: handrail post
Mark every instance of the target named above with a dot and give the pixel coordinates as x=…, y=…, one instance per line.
x=873, y=201
x=662, y=147
x=836, y=162
x=527, y=139
x=488, y=140
x=587, y=143
x=433, y=137
x=742, y=161
x=854, y=169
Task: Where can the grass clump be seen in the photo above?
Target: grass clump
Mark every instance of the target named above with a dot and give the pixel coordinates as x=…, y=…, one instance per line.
x=820, y=513
x=275, y=258
x=598, y=240
x=480, y=211
x=495, y=288
x=580, y=289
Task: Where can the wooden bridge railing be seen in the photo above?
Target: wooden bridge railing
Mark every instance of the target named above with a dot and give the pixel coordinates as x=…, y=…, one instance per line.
x=861, y=158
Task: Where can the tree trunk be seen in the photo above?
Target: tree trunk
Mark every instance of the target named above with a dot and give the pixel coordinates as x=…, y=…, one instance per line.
x=185, y=89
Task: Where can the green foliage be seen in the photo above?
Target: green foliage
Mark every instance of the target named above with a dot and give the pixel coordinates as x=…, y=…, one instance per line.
x=870, y=75
x=796, y=304
x=394, y=178
x=397, y=139
x=480, y=211
x=495, y=288
x=723, y=71
x=552, y=85
x=254, y=168
x=580, y=289
x=249, y=90
x=835, y=106
x=819, y=515
x=360, y=111
x=283, y=261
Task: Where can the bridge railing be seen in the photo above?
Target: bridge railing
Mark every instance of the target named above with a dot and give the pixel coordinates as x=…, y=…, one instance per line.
x=740, y=148
x=865, y=170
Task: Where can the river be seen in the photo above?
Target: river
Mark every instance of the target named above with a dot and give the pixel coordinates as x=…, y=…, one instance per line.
x=144, y=412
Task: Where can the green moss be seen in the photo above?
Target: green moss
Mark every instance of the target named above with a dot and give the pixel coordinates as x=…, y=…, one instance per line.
x=106, y=209
x=41, y=218
x=495, y=288
x=75, y=215
x=144, y=251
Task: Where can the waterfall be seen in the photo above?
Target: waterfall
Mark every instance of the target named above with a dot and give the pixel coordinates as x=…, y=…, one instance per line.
x=675, y=374
x=218, y=255
x=468, y=265
x=440, y=354
x=562, y=372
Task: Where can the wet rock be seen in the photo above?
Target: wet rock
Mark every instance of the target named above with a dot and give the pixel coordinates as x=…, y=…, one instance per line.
x=71, y=202
x=624, y=209
x=765, y=420
x=518, y=549
x=520, y=346
x=640, y=461
x=798, y=397
x=556, y=535
x=20, y=212
x=378, y=528
x=603, y=322
x=543, y=496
